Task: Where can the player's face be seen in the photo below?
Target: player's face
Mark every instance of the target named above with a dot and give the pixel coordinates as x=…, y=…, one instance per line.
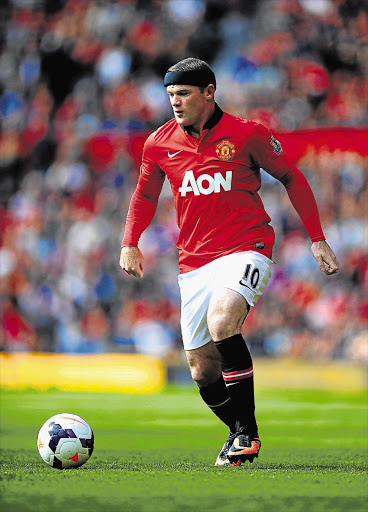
x=189, y=104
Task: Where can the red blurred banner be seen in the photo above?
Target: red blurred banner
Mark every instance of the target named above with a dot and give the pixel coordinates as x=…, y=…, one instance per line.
x=297, y=143
x=103, y=150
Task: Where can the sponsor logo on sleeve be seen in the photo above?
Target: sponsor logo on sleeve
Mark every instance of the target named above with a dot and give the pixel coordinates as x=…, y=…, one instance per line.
x=277, y=149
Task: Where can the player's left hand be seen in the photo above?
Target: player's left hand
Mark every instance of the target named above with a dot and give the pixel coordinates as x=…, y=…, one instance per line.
x=325, y=257
x=131, y=261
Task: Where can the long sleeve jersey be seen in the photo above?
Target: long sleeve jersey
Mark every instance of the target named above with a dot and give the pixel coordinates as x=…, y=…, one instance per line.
x=215, y=182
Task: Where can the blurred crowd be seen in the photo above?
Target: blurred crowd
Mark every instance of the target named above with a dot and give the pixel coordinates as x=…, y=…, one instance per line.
x=81, y=88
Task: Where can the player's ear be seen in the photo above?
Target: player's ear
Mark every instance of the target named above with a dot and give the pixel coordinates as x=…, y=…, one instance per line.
x=209, y=91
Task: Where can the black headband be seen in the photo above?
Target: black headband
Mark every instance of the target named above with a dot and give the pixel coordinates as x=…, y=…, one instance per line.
x=199, y=77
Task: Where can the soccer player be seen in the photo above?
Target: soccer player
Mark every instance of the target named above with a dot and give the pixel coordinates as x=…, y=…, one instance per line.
x=212, y=160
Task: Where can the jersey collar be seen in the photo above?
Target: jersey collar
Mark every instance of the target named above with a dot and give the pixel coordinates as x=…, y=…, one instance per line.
x=212, y=121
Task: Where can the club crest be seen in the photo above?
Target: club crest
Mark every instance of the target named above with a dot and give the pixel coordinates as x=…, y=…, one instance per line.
x=225, y=150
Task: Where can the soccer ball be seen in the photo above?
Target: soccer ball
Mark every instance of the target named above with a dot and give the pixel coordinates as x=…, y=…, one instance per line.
x=65, y=441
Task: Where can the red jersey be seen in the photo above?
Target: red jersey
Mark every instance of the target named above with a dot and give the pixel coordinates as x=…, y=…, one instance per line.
x=215, y=182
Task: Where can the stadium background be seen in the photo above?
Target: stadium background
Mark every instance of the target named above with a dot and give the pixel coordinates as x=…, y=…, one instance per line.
x=81, y=88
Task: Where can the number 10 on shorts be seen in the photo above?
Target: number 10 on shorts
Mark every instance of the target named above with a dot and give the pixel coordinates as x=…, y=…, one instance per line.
x=250, y=277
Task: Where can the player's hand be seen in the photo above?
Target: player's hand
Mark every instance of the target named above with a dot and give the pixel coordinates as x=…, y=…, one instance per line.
x=131, y=261
x=325, y=257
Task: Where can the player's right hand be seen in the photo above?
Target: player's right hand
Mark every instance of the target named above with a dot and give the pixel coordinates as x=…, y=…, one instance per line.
x=325, y=257
x=131, y=261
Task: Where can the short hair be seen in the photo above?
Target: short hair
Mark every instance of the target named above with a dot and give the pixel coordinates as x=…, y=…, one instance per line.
x=190, y=64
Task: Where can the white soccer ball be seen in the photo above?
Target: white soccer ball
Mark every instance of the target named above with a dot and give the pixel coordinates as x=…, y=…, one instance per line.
x=65, y=441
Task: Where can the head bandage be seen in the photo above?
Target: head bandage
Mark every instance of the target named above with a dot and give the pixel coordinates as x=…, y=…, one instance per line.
x=199, y=77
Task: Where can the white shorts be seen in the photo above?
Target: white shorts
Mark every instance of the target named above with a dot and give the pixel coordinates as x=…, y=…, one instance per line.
x=244, y=272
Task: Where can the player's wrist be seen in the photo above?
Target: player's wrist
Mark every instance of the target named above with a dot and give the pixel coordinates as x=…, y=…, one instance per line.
x=124, y=246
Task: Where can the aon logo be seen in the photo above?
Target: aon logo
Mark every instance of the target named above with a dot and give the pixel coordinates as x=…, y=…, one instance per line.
x=205, y=184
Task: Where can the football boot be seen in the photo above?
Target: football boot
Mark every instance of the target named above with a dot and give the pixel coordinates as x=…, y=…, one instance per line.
x=222, y=459
x=245, y=447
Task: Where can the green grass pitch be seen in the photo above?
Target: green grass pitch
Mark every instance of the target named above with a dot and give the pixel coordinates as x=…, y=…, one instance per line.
x=155, y=453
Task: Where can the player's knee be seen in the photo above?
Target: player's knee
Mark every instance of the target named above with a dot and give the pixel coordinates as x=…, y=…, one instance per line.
x=204, y=375
x=221, y=326
x=204, y=378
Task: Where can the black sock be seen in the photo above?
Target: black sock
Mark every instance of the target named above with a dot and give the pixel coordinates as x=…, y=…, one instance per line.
x=237, y=370
x=217, y=398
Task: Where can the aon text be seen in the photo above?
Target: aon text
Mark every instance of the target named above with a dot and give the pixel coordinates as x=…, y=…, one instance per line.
x=205, y=183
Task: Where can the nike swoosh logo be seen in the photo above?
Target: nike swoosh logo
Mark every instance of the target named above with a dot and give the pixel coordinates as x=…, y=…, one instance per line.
x=171, y=155
x=245, y=285
x=237, y=446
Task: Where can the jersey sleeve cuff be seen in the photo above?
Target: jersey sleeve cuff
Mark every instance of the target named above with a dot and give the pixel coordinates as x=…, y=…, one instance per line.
x=319, y=238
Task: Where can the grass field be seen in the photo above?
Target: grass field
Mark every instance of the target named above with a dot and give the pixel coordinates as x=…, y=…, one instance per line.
x=155, y=453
